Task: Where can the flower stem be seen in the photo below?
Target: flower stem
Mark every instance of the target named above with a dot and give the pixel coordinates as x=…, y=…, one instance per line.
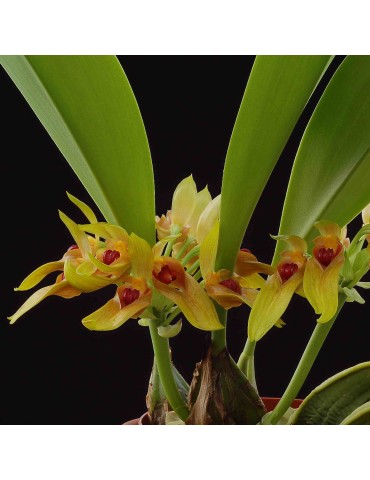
x=219, y=336
x=193, y=268
x=246, y=362
x=193, y=252
x=184, y=247
x=165, y=370
x=308, y=358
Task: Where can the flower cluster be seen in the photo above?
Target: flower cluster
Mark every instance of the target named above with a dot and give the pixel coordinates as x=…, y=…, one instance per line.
x=177, y=274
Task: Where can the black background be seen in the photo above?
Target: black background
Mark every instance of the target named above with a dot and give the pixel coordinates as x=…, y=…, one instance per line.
x=53, y=370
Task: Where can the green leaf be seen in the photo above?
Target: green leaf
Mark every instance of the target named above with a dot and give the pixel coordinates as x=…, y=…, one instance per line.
x=332, y=401
x=88, y=108
x=361, y=416
x=277, y=92
x=331, y=174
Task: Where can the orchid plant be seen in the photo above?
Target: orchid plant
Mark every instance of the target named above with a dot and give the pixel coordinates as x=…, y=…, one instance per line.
x=188, y=263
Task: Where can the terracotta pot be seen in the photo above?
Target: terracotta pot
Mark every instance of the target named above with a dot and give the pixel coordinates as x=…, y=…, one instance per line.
x=270, y=403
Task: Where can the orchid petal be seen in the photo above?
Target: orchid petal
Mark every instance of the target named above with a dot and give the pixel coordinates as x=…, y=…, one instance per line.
x=78, y=235
x=61, y=289
x=86, y=268
x=327, y=228
x=247, y=264
x=271, y=303
x=227, y=298
x=116, y=267
x=208, y=218
x=106, y=230
x=252, y=281
x=85, y=209
x=183, y=201
x=193, y=301
x=321, y=287
x=39, y=274
x=366, y=215
x=111, y=316
x=141, y=256
x=203, y=199
x=208, y=250
x=85, y=283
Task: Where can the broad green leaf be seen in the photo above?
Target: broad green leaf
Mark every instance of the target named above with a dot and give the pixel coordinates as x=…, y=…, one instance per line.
x=88, y=108
x=361, y=416
x=331, y=174
x=332, y=401
x=277, y=92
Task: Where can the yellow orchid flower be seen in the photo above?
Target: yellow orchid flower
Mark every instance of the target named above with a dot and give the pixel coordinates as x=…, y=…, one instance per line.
x=87, y=265
x=275, y=295
x=231, y=289
x=168, y=277
x=187, y=206
x=321, y=277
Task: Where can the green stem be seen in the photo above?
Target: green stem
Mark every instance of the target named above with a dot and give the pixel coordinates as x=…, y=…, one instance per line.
x=194, y=251
x=184, y=247
x=165, y=370
x=218, y=337
x=174, y=231
x=193, y=268
x=171, y=316
x=198, y=275
x=246, y=362
x=308, y=358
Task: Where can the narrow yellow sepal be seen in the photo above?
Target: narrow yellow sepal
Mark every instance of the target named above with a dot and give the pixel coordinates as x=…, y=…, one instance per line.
x=39, y=274
x=85, y=209
x=106, y=230
x=78, y=235
x=61, y=289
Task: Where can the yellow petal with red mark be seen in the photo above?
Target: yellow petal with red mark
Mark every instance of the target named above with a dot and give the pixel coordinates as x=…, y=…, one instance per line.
x=61, y=289
x=321, y=286
x=117, y=267
x=85, y=209
x=270, y=304
x=78, y=235
x=194, y=303
x=106, y=230
x=39, y=274
x=208, y=218
x=203, y=198
x=141, y=257
x=183, y=201
x=111, y=316
x=208, y=250
x=175, y=267
x=327, y=228
x=86, y=283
